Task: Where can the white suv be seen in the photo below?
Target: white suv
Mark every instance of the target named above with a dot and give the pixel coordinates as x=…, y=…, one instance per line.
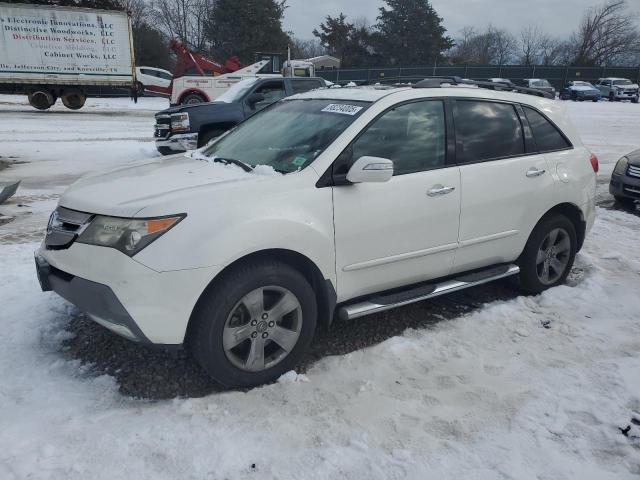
x=332, y=203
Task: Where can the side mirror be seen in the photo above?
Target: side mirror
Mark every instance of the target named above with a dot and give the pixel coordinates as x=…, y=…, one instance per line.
x=370, y=169
x=255, y=98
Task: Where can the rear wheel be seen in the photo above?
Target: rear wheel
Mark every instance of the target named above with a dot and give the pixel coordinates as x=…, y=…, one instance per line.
x=73, y=99
x=139, y=89
x=192, y=98
x=612, y=98
x=41, y=99
x=634, y=100
x=548, y=255
x=254, y=324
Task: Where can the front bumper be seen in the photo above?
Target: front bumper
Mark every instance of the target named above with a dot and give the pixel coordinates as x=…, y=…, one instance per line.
x=624, y=186
x=630, y=95
x=96, y=300
x=122, y=294
x=178, y=143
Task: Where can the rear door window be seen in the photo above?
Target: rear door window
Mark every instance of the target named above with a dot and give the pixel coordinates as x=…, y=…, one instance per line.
x=486, y=131
x=548, y=138
x=300, y=86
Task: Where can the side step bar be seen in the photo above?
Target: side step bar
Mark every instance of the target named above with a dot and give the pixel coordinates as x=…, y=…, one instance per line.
x=387, y=301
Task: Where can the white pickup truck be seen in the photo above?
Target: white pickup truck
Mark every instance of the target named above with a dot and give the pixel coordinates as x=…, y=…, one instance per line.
x=49, y=52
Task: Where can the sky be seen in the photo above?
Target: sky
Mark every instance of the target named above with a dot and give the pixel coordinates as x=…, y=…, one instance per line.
x=557, y=17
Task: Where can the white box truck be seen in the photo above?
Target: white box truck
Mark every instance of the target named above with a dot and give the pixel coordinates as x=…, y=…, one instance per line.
x=49, y=52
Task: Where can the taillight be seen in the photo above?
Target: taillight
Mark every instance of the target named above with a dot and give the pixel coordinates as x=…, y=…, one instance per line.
x=594, y=163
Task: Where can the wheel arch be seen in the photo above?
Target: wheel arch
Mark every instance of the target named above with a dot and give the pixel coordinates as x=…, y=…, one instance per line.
x=323, y=288
x=574, y=214
x=193, y=90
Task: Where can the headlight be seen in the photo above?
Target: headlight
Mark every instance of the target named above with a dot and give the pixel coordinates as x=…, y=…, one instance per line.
x=621, y=166
x=180, y=122
x=129, y=235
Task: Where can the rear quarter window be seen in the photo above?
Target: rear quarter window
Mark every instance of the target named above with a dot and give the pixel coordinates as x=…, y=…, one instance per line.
x=547, y=136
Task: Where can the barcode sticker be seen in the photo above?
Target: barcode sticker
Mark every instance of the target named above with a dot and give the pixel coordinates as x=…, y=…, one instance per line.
x=342, y=108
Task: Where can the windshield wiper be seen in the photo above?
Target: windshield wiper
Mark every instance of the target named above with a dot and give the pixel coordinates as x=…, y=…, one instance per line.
x=232, y=161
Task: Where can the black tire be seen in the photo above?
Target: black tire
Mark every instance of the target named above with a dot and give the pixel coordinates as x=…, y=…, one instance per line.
x=625, y=202
x=220, y=300
x=192, y=98
x=139, y=89
x=73, y=99
x=612, y=98
x=595, y=100
x=165, y=151
x=530, y=281
x=634, y=100
x=41, y=99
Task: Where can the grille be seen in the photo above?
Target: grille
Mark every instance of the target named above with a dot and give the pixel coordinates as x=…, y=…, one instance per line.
x=632, y=191
x=162, y=126
x=64, y=227
x=633, y=171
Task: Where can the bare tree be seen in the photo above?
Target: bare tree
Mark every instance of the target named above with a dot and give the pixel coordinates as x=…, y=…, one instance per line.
x=306, y=48
x=493, y=46
x=607, y=34
x=183, y=19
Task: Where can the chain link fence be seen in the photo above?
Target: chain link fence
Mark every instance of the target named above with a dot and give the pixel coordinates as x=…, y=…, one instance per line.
x=557, y=75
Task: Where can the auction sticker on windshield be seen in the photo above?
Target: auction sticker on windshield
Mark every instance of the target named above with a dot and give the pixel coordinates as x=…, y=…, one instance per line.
x=342, y=108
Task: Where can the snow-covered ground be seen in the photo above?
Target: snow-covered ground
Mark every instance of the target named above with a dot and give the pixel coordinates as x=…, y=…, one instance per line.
x=531, y=388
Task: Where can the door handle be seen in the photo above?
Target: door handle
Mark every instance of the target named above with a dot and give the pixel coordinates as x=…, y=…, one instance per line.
x=535, y=172
x=438, y=190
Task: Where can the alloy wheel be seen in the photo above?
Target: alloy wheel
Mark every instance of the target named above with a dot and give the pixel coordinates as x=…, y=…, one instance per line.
x=553, y=256
x=262, y=328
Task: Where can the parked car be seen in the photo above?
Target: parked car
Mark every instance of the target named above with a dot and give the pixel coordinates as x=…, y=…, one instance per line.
x=625, y=180
x=616, y=89
x=186, y=127
x=506, y=81
x=579, y=91
x=332, y=203
x=153, y=80
x=539, y=84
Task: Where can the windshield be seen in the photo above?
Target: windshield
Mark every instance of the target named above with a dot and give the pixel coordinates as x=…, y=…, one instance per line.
x=540, y=83
x=289, y=135
x=622, y=82
x=236, y=91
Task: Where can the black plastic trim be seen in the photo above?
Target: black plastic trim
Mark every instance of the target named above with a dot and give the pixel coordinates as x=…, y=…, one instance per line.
x=90, y=297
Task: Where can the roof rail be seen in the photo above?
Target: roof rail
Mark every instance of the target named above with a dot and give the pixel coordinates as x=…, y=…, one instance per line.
x=437, y=82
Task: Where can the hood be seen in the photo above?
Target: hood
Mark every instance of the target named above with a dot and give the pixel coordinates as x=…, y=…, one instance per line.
x=125, y=191
x=583, y=88
x=634, y=158
x=190, y=108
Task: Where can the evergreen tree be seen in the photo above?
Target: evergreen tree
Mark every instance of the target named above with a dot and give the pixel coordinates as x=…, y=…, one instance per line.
x=345, y=41
x=410, y=32
x=243, y=28
x=334, y=34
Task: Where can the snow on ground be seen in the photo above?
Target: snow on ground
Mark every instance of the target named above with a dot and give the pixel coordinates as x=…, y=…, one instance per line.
x=532, y=388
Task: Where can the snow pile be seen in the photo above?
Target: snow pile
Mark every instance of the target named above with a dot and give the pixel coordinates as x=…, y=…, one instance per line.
x=491, y=395
x=266, y=170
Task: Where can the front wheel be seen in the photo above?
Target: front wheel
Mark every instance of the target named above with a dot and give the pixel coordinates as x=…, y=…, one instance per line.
x=634, y=100
x=254, y=324
x=192, y=99
x=548, y=255
x=625, y=201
